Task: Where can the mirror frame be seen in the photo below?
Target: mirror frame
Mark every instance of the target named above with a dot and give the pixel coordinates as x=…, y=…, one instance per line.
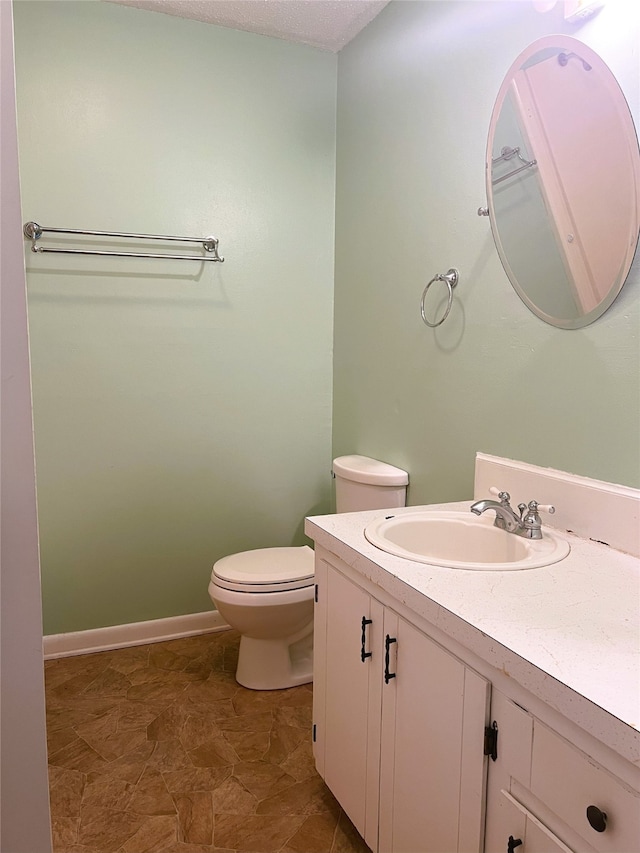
x=569, y=45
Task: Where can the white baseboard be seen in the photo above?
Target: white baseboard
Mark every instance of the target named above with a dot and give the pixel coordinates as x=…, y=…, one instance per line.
x=132, y=634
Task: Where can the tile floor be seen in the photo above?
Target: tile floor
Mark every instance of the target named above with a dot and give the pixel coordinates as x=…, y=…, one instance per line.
x=157, y=749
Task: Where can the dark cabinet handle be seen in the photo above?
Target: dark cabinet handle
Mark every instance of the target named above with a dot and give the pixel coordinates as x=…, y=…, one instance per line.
x=364, y=655
x=512, y=843
x=388, y=675
x=597, y=818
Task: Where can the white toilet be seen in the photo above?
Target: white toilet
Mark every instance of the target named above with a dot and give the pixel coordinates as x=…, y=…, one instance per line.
x=267, y=594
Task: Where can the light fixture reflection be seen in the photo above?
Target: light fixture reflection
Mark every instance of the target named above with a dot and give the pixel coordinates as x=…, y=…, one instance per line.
x=574, y=10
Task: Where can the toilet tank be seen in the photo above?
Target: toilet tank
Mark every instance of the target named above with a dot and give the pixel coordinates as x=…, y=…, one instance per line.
x=364, y=483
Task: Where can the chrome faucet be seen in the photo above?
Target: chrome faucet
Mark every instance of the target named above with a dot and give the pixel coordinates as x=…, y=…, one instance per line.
x=527, y=523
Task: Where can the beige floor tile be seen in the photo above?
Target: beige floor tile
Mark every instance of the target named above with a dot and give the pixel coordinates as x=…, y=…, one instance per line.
x=58, y=773
x=107, y=830
x=195, y=817
x=196, y=778
x=199, y=727
x=129, y=767
x=103, y=735
x=134, y=715
x=300, y=763
x=77, y=755
x=151, y=796
x=110, y=793
x=231, y=797
x=157, y=685
x=59, y=738
x=168, y=724
x=156, y=835
x=157, y=749
x=249, y=746
x=168, y=755
x=130, y=660
x=347, y=839
x=66, y=793
x=67, y=668
x=256, y=701
x=316, y=835
x=65, y=717
x=200, y=668
x=254, y=834
x=217, y=686
x=64, y=831
x=303, y=798
x=284, y=741
x=75, y=686
x=262, y=779
x=299, y=716
x=261, y=722
x=108, y=683
x=218, y=709
x=215, y=752
x=165, y=658
x=94, y=706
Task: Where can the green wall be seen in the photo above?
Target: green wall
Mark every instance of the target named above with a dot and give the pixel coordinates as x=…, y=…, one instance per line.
x=182, y=410
x=183, y=413
x=415, y=95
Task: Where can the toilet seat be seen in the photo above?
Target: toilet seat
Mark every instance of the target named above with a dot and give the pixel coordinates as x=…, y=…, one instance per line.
x=265, y=570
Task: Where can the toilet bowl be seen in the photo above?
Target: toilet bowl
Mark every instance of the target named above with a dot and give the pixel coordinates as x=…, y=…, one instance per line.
x=268, y=594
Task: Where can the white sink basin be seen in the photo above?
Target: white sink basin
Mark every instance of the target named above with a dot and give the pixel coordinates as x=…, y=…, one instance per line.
x=459, y=540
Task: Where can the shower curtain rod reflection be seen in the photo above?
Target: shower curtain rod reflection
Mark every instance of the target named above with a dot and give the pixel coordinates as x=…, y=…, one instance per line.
x=34, y=232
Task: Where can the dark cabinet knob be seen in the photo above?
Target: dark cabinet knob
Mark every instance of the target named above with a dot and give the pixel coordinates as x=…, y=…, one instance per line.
x=597, y=818
x=513, y=843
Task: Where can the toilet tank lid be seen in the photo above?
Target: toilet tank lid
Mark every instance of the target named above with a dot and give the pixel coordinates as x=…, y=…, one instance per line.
x=362, y=469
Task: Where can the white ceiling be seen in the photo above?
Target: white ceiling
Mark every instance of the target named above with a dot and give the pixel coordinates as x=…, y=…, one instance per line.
x=327, y=24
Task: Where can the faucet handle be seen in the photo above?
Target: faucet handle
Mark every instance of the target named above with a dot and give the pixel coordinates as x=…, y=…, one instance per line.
x=536, y=507
x=504, y=497
x=530, y=521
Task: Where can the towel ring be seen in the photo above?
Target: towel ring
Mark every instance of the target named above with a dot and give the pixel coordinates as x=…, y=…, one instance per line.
x=450, y=278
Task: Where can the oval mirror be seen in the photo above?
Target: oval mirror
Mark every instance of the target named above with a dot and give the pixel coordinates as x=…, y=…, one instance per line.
x=563, y=181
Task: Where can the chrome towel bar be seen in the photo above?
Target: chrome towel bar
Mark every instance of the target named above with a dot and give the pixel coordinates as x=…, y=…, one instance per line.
x=32, y=231
x=506, y=154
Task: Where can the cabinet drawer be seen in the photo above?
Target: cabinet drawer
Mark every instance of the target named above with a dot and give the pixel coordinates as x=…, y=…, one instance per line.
x=568, y=782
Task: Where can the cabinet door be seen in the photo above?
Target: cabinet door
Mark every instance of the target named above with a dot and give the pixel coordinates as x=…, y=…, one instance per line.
x=348, y=727
x=512, y=766
x=434, y=710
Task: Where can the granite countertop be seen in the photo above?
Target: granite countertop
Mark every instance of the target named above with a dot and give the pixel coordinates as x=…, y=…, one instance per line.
x=569, y=632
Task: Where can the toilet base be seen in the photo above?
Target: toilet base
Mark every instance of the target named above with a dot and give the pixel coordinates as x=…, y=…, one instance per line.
x=275, y=664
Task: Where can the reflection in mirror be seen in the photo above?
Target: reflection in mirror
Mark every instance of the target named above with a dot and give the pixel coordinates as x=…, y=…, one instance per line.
x=563, y=181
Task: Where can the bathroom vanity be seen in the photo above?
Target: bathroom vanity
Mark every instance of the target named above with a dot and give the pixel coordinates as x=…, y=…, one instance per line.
x=460, y=710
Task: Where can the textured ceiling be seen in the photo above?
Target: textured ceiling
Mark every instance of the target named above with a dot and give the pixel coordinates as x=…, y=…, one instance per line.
x=327, y=24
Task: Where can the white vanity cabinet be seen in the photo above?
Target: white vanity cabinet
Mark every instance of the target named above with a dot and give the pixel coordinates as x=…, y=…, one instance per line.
x=541, y=786
x=553, y=650
x=398, y=723
x=432, y=763
x=399, y=729
x=346, y=696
